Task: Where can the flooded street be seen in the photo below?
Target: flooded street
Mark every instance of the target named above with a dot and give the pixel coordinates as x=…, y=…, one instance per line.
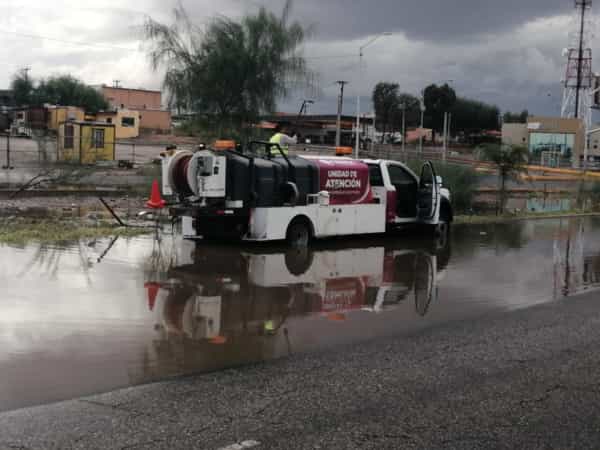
x=97, y=315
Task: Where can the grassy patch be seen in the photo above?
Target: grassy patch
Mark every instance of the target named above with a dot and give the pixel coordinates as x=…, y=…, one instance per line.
x=23, y=231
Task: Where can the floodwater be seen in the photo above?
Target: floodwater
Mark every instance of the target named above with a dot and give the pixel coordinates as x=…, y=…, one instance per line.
x=92, y=316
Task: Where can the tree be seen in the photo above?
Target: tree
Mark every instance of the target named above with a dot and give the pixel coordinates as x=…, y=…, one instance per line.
x=63, y=90
x=474, y=116
x=510, y=117
x=389, y=103
x=235, y=69
x=510, y=161
x=67, y=90
x=386, y=102
x=438, y=100
x=22, y=87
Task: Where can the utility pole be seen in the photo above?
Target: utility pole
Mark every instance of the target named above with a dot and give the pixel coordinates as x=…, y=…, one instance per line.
x=449, y=129
x=422, y=122
x=445, y=137
x=116, y=83
x=338, y=129
x=583, y=4
x=578, y=82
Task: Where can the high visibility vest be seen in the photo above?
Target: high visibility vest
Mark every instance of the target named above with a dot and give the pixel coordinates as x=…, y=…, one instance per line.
x=276, y=139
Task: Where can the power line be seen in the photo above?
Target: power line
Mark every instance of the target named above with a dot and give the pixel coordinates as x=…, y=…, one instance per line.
x=331, y=56
x=64, y=41
x=112, y=47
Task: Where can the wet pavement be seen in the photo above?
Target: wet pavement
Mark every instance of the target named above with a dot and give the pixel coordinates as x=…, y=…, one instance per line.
x=94, y=316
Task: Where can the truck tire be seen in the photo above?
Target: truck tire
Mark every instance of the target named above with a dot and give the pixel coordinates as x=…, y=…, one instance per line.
x=298, y=233
x=442, y=228
x=298, y=260
x=446, y=218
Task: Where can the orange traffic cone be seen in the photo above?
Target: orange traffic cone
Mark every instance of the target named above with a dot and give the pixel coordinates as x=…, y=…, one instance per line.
x=218, y=340
x=156, y=201
x=336, y=317
x=153, y=289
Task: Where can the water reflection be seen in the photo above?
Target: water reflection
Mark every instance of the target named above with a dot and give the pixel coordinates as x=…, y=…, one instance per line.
x=101, y=314
x=229, y=306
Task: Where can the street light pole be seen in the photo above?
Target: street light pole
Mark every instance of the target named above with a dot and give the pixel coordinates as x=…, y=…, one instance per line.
x=360, y=82
x=358, y=104
x=404, y=129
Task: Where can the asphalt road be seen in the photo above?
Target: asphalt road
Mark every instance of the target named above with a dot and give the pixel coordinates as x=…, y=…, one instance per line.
x=526, y=379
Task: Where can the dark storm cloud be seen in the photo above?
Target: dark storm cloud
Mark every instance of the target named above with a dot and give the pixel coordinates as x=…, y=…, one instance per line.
x=498, y=51
x=419, y=19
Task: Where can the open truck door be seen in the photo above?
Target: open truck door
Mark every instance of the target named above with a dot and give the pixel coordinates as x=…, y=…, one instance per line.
x=429, y=196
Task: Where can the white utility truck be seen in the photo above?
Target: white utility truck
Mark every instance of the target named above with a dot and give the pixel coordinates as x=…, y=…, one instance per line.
x=264, y=195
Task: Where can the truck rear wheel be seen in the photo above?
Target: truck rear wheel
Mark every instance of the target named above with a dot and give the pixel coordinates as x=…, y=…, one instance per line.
x=298, y=233
x=298, y=260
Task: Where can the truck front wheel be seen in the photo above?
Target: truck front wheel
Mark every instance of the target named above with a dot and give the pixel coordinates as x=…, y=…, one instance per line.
x=298, y=233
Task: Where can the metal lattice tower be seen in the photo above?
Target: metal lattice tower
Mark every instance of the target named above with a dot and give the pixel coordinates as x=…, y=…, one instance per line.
x=579, y=77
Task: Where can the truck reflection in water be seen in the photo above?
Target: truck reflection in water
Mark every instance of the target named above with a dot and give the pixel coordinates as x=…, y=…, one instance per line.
x=230, y=306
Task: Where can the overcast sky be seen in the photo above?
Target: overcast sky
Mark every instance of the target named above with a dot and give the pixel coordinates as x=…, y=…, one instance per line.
x=505, y=52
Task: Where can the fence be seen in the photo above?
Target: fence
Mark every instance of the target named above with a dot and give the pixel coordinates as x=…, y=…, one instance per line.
x=22, y=152
x=393, y=152
x=19, y=152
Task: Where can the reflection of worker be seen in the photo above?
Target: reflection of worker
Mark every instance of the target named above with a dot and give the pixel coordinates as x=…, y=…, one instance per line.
x=283, y=138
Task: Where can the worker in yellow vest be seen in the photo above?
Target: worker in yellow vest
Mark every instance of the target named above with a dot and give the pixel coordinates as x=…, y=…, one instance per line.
x=282, y=138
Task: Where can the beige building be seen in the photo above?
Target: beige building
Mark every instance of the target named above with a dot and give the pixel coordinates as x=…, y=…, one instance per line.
x=515, y=134
x=137, y=99
x=148, y=103
x=126, y=122
x=548, y=135
x=155, y=121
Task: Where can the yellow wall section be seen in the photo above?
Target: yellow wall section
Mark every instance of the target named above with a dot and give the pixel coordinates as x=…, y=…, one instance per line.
x=56, y=116
x=89, y=153
x=84, y=150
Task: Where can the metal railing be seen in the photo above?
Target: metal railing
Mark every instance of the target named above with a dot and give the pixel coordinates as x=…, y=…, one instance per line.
x=32, y=152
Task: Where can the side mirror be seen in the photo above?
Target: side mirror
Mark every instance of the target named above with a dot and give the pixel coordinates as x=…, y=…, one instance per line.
x=439, y=180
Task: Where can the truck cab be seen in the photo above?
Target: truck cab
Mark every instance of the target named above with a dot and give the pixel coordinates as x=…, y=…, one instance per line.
x=410, y=198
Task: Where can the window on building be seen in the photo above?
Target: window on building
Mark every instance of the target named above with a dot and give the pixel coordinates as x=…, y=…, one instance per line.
x=98, y=138
x=128, y=122
x=69, y=136
x=563, y=143
x=109, y=120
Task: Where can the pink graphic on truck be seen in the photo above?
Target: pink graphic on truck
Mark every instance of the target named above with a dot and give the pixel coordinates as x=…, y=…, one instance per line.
x=346, y=181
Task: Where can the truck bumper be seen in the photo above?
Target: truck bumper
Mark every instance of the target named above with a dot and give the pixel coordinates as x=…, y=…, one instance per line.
x=217, y=224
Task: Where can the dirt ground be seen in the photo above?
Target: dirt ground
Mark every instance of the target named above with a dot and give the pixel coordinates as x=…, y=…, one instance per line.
x=72, y=206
